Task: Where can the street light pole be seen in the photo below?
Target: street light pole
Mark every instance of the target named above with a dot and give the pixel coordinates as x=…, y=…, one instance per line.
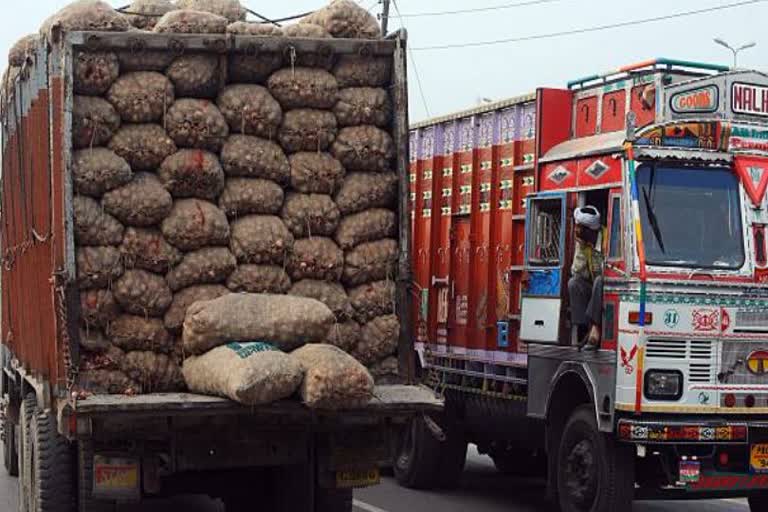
x=735, y=51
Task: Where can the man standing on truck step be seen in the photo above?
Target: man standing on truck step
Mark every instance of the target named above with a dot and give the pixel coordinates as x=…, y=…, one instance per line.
x=585, y=287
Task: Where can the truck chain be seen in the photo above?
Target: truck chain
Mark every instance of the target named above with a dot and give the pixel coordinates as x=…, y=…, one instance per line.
x=70, y=366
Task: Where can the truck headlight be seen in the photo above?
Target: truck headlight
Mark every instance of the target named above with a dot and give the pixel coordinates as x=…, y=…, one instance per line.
x=664, y=384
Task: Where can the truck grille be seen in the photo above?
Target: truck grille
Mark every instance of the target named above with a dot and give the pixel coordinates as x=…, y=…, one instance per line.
x=751, y=321
x=697, y=353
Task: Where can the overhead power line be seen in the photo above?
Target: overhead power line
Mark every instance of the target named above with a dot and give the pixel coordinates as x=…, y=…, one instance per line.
x=589, y=29
x=413, y=64
x=479, y=9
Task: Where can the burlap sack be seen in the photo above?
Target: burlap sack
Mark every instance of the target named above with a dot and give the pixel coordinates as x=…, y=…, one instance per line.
x=243, y=155
x=316, y=258
x=287, y=322
x=379, y=339
x=145, y=60
x=147, y=249
x=140, y=333
x=253, y=68
x=363, y=105
x=364, y=148
x=245, y=196
x=230, y=9
x=204, y=266
x=310, y=215
x=155, y=373
x=259, y=279
x=250, y=109
x=194, y=223
x=370, y=261
x=144, y=14
x=191, y=22
x=196, y=124
x=107, y=382
x=261, y=239
x=332, y=295
x=249, y=28
x=93, y=340
x=386, y=371
x=362, y=190
x=315, y=173
x=363, y=71
x=98, y=267
x=300, y=30
x=300, y=87
x=332, y=378
x=345, y=19
x=142, y=293
x=94, y=72
x=94, y=121
x=248, y=373
x=142, y=202
x=98, y=307
x=107, y=360
x=197, y=75
x=174, y=317
x=90, y=15
x=307, y=130
x=98, y=170
x=21, y=48
x=144, y=146
x=93, y=226
x=192, y=173
x=142, y=96
x=372, y=300
x=366, y=226
x=344, y=335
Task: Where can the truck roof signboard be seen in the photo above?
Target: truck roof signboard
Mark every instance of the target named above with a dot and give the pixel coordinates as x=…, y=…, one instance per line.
x=739, y=95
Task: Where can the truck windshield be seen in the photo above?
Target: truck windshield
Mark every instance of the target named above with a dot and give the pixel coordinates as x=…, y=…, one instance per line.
x=691, y=217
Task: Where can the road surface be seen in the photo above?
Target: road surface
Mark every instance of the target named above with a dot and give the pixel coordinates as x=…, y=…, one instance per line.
x=482, y=490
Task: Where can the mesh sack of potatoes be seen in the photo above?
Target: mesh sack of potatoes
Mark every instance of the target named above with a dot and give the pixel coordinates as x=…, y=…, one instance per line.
x=259, y=279
x=138, y=332
x=346, y=19
x=250, y=28
x=365, y=226
x=364, y=148
x=98, y=170
x=141, y=96
x=252, y=157
x=253, y=67
x=363, y=71
x=307, y=130
x=94, y=121
x=300, y=87
x=251, y=110
x=107, y=382
x=98, y=267
x=208, y=265
x=251, y=373
x=191, y=22
x=316, y=258
x=83, y=15
x=155, y=373
x=332, y=378
x=332, y=295
x=245, y=196
x=147, y=249
x=98, y=307
x=94, y=72
x=142, y=293
x=301, y=30
x=194, y=223
x=372, y=300
x=99, y=361
x=144, y=146
x=344, y=335
x=144, y=14
x=310, y=214
x=142, y=202
x=192, y=173
x=286, y=321
x=315, y=173
x=261, y=239
x=198, y=124
x=370, y=261
x=174, y=317
x=386, y=371
x=93, y=339
x=197, y=75
x=145, y=60
x=93, y=226
x=363, y=105
x=378, y=339
x=21, y=48
x=361, y=191
x=229, y=9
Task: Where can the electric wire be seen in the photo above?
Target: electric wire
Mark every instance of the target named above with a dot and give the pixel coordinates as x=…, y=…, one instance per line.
x=478, y=9
x=413, y=64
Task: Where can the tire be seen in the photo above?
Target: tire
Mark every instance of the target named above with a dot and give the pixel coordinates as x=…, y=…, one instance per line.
x=417, y=457
x=53, y=467
x=84, y=485
x=758, y=502
x=451, y=459
x=27, y=410
x=10, y=447
x=594, y=472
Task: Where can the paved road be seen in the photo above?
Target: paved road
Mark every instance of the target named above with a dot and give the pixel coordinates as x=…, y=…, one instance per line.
x=482, y=490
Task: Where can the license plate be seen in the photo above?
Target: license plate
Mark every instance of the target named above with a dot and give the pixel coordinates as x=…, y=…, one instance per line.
x=690, y=471
x=115, y=476
x=355, y=479
x=758, y=457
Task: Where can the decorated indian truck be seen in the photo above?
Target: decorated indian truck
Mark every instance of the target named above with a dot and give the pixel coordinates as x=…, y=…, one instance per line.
x=674, y=400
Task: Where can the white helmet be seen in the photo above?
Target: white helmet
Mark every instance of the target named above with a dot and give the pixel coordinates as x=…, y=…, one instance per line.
x=588, y=216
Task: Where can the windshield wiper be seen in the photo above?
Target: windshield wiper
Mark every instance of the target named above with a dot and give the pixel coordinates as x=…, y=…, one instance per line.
x=653, y=220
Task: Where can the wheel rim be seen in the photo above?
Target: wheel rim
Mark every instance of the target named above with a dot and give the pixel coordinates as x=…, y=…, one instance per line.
x=580, y=475
x=407, y=446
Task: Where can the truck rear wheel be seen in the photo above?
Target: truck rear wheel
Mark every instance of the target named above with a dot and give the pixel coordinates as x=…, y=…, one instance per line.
x=10, y=447
x=594, y=472
x=417, y=456
x=758, y=502
x=26, y=411
x=52, y=469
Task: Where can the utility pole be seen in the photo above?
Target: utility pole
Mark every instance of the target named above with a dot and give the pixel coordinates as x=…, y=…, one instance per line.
x=385, y=18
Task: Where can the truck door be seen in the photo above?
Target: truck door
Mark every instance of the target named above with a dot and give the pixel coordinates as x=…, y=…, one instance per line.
x=544, y=255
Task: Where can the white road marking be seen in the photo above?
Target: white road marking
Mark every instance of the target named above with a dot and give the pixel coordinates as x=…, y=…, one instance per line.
x=368, y=508
x=741, y=502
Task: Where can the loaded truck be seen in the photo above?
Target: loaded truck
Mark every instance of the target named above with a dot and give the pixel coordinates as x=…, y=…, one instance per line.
x=672, y=400
x=77, y=450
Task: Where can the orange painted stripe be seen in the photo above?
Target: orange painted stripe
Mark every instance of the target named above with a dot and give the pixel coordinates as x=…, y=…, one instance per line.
x=639, y=379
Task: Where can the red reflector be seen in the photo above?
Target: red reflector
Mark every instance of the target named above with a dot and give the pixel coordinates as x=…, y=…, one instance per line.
x=625, y=431
x=634, y=318
x=724, y=459
x=738, y=432
x=730, y=400
x=749, y=401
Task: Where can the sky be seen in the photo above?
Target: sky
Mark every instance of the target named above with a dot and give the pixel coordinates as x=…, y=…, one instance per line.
x=456, y=79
